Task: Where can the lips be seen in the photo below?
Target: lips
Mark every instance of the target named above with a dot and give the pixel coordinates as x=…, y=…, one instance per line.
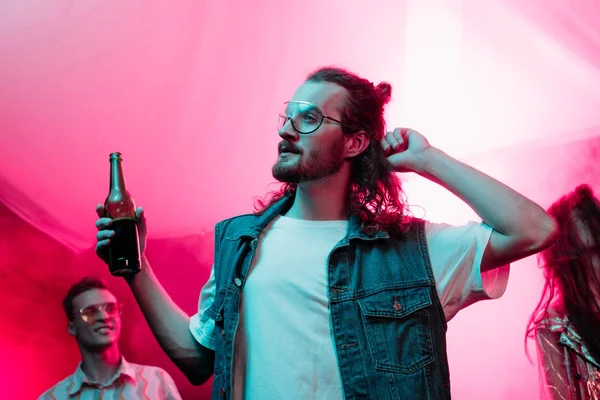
x=285, y=147
x=104, y=329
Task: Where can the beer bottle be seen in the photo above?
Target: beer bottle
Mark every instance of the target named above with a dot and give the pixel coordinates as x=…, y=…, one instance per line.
x=124, y=249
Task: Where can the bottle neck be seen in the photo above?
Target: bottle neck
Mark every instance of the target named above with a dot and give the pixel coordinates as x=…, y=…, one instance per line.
x=117, y=179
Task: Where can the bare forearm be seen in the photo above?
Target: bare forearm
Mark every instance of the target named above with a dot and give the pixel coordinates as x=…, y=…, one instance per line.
x=170, y=325
x=499, y=206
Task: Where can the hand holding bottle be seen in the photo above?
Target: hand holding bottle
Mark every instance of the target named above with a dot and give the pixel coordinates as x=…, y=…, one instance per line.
x=119, y=246
x=105, y=233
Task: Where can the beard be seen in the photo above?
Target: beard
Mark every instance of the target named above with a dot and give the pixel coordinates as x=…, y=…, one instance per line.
x=317, y=164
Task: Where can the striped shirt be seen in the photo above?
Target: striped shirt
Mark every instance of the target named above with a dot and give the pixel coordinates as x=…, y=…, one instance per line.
x=132, y=381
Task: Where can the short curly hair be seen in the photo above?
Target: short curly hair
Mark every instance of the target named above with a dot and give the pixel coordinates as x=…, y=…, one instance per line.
x=81, y=286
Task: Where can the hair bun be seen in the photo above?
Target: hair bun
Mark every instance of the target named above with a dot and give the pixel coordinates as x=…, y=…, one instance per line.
x=584, y=190
x=385, y=92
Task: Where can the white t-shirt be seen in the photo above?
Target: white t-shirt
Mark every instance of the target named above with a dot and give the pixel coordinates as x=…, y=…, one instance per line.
x=284, y=347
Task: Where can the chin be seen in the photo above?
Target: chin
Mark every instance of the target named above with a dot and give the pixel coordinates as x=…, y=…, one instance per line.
x=287, y=179
x=97, y=347
x=104, y=343
x=286, y=175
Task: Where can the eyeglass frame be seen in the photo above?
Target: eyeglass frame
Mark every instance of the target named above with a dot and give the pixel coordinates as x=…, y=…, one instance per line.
x=101, y=307
x=323, y=117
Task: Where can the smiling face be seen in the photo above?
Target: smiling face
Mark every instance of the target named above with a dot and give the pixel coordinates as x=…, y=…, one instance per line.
x=97, y=321
x=321, y=153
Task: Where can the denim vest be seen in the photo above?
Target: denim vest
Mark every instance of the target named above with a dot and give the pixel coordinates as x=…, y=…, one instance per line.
x=388, y=324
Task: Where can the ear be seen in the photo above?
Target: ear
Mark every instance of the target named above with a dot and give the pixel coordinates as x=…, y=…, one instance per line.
x=71, y=329
x=356, y=144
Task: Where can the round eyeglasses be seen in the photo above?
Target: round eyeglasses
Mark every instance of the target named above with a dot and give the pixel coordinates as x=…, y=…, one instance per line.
x=90, y=314
x=305, y=117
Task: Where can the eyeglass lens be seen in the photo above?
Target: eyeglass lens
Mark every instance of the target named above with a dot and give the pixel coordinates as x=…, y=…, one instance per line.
x=90, y=314
x=305, y=118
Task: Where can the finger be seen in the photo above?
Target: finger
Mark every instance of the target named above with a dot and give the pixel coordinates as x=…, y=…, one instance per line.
x=139, y=215
x=400, y=137
x=392, y=140
x=100, y=210
x=103, y=235
x=103, y=223
x=102, y=246
x=140, y=220
x=385, y=145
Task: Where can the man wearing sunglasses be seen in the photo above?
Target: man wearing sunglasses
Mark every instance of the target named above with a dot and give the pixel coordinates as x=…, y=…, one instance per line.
x=332, y=289
x=94, y=317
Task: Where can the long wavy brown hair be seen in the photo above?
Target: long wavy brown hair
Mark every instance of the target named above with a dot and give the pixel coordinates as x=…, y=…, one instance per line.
x=569, y=268
x=375, y=193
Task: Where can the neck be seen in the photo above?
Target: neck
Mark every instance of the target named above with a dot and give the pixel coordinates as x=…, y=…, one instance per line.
x=322, y=200
x=101, y=366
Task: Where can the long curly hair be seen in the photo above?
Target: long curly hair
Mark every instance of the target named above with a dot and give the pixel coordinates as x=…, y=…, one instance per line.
x=375, y=193
x=571, y=278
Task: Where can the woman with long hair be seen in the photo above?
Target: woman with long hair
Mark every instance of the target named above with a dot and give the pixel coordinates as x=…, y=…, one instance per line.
x=566, y=321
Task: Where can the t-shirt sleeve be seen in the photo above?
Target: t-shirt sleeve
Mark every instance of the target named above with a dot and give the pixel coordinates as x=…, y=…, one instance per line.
x=201, y=326
x=455, y=253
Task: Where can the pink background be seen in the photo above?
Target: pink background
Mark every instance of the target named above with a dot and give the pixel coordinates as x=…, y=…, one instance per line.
x=189, y=92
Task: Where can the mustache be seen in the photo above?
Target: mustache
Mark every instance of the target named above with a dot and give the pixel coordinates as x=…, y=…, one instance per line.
x=287, y=147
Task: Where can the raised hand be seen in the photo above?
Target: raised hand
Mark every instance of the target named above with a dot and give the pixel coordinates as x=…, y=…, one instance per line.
x=404, y=149
x=105, y=233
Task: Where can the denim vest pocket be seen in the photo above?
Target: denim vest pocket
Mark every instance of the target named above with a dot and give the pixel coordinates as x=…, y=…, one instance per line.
x=215, y=312
x=397, y=327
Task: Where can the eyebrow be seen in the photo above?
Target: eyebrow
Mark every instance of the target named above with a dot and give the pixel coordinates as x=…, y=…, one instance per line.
x=308, y=107
x=100, y=304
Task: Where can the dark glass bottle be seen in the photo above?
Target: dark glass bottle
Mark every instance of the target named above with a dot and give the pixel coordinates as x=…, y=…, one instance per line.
x=124, y=249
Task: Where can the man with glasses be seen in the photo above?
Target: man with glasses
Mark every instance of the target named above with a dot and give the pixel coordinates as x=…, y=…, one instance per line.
x=94, y=317
x=332, y=289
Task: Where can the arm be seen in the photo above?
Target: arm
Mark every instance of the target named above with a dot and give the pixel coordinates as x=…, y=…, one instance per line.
x=168, y=322
x=170, y=326
x=521, y=227
x=552, y=366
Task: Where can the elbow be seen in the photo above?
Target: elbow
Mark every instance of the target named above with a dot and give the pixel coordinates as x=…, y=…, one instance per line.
x=197, y=364
x=547, y=233
x=198, y=378
x=199, y=370
x=551, y=232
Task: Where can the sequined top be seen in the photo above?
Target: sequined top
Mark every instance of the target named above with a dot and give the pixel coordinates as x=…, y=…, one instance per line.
x=568, y=370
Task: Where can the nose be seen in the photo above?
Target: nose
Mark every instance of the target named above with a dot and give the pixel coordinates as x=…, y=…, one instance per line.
x=287, y=131
x=102, y=315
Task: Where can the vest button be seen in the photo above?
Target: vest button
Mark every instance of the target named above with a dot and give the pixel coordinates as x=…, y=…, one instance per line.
x=237, y=282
